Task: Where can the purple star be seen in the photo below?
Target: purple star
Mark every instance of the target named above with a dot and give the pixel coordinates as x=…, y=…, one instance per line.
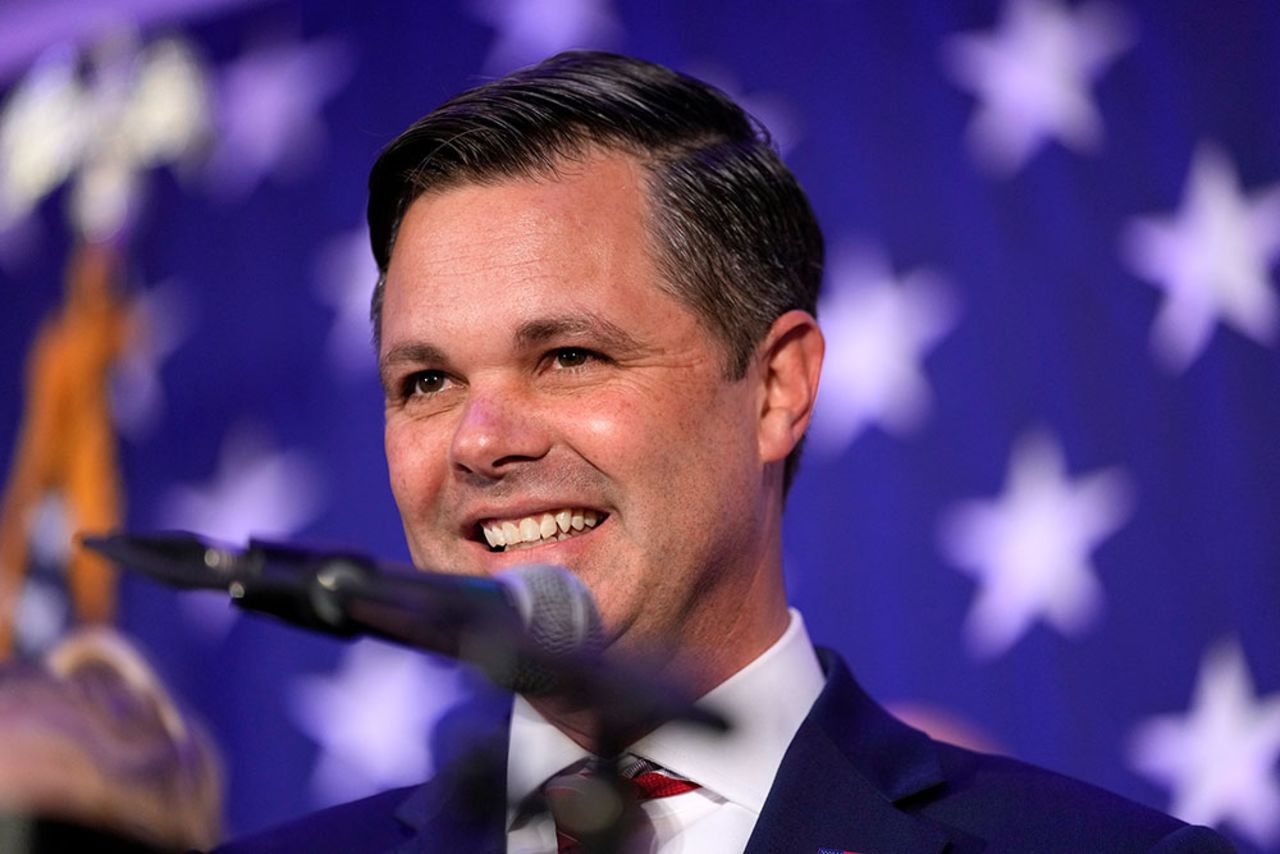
x=1218, y=760
x=1032, y=78
x=345, y=276
x=880, y=327
x=1211, y=259
x=529, y=30
x=270, y=102
x=770, y=109
x=371, y=719
x=162, y=318
x=1029, y=549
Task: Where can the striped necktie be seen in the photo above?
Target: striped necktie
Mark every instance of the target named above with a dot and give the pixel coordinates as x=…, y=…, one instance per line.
x=585, y=806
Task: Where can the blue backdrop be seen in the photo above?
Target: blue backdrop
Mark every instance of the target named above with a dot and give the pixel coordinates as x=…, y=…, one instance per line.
x=1039, y=506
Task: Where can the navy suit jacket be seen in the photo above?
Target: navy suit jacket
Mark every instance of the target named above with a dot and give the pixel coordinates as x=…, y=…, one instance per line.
x=855, y=779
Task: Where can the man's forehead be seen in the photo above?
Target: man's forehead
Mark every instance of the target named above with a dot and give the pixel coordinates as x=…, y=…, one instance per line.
x=613, y=180
x=530, y=258
x=585, y=229
x=586, y=210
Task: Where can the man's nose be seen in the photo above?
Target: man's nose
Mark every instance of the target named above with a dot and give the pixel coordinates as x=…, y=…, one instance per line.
x=495, y=434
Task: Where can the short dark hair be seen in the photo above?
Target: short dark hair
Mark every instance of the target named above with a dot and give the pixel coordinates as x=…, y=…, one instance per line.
x=733, y=234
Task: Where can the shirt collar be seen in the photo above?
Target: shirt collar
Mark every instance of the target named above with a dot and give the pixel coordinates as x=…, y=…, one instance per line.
x=766, y=702
x=535, y=752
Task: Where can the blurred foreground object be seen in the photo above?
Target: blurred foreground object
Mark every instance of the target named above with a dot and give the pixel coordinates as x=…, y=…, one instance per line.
x=67, y=443
x=91, y=742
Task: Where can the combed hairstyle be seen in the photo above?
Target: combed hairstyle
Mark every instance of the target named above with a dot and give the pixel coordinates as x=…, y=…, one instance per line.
x=732, y=233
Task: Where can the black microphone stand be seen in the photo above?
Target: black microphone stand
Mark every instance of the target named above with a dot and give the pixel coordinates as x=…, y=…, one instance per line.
x=345, y=594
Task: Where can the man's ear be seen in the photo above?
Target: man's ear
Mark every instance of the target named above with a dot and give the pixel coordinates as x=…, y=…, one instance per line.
x=790, y=361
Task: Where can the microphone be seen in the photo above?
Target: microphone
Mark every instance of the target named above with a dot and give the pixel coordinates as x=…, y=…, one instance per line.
x=517, y=626
x=533, y=630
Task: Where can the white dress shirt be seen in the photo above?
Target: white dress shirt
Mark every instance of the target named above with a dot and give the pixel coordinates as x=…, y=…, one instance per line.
x=766, y=702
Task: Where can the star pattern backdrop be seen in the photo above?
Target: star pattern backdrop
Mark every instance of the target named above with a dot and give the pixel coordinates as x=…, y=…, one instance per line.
x=1039, y=508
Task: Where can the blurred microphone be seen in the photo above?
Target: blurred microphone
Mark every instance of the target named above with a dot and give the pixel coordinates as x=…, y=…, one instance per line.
x=517, y=626
x=534, y=629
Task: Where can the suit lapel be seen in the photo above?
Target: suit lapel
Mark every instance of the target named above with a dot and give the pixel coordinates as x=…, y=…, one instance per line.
x=445, y=821
x=463, y=806
x=844, y=776
x=840, y=785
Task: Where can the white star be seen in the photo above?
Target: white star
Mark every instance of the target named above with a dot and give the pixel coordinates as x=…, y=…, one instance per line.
x=1219, y=758
x=161, y=318
x=345, y=276
x=1029, y=549
x=43, y=613
x=42, y=616
x=879, y=330
x=269, y=104
x=49, y=531
x=1032, y=78
x=257, y=492
x=372, y=719
x=1211, y=260
x=530, y=30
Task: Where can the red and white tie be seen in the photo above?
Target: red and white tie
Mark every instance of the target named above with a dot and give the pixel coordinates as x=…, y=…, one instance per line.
x=582, y=804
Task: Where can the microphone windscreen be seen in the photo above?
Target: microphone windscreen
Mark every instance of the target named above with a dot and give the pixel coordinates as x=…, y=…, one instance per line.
x=560, y=618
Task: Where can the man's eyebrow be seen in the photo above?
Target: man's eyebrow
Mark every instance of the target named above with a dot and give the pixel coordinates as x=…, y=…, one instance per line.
x=599, y=330
x=414, y=353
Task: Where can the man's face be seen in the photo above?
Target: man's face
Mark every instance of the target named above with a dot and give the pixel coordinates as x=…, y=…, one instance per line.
x=537, y=377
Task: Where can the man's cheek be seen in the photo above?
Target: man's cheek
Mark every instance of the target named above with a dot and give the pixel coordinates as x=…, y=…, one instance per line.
x=625, y=428
x=413, y=458
x=402, y=488
x=602, y=423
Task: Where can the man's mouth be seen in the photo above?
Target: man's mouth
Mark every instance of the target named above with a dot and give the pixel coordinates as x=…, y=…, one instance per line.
x=529, y=531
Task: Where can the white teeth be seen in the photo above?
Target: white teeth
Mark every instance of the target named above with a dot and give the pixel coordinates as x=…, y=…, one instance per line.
x=511, y=534
x=547, y=527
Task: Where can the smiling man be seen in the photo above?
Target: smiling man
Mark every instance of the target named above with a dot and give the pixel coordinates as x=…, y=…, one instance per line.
x=596, y=335
x=550, y=400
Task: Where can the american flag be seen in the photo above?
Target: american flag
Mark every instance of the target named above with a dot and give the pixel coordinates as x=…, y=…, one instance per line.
x=1040, y=506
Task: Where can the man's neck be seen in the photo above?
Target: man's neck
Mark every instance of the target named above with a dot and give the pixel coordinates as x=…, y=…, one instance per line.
x=694, y=669
x=766, y=702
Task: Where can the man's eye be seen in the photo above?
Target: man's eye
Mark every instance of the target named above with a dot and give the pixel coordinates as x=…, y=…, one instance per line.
x=571, y=357
x=425, y=382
